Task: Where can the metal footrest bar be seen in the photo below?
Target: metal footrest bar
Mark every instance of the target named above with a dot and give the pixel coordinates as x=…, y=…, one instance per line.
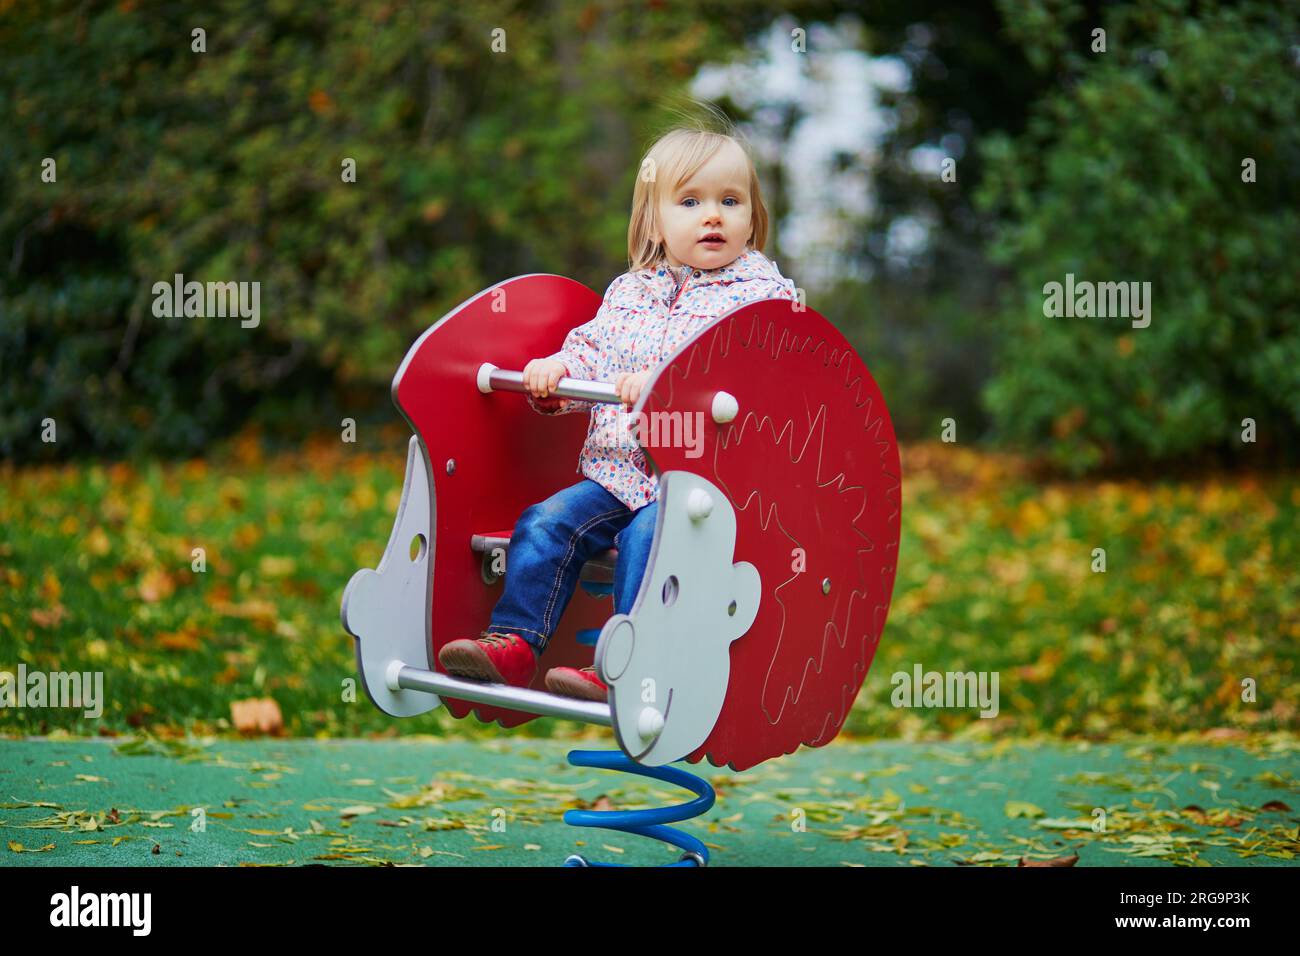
x=404, y=677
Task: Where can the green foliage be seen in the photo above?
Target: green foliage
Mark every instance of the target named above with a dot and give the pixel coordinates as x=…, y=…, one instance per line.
x=929, y=354
x=472, y=164
x=1132, y=171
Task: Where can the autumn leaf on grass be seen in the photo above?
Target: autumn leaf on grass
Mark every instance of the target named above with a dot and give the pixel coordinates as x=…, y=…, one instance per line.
x=258, y=611
x=443, y=823
x=49, y=617
x=1042, y=669
x=1219, y=817
x=1225, y=733
x=1018, y=808
x=428, y=851
x=51, y=589
x=986, y=856
x=156, y=585
x=275, y=566
x=1057, y=861
x=96, y=542
x=256, y=715
x=1273, y=779
x=1209, y=560
x=186, y=639
x=1056, y=823
x=17, y=847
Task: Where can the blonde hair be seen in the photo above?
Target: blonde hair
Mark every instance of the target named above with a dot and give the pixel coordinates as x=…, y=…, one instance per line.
x=671, y=161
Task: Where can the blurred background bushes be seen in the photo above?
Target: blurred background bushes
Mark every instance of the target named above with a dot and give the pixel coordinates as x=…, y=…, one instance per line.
x=1132, y=169
x=473, y=166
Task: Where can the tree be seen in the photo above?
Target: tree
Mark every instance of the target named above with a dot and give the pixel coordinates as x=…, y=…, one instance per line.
x=1132, y=170
x=369, y=165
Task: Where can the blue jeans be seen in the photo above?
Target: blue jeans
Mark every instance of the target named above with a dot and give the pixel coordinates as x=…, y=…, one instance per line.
x=551, y=542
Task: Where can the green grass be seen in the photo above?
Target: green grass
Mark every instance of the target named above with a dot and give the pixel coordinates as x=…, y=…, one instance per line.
x=1200, y=593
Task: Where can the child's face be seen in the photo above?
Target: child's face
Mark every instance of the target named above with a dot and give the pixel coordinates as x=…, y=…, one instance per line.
x=714, y=200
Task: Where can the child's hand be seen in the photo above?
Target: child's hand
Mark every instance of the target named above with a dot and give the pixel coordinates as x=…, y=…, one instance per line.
x=542, y=375
x=548, y=405
x=628, y=385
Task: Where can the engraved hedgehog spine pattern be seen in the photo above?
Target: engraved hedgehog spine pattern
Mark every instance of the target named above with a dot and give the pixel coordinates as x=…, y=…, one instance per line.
x=814, y=479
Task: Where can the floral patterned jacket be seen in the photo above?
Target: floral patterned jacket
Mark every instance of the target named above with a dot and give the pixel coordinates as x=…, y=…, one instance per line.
x=645, y=316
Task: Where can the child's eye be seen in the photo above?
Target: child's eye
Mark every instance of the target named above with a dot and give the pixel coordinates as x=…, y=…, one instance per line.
x=690, y=199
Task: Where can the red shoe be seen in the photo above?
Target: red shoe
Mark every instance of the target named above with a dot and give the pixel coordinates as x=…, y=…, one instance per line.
x=571, y=682
x=496, y=658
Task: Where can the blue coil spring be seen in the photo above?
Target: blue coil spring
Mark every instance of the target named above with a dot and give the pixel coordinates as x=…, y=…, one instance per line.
x=647, y=823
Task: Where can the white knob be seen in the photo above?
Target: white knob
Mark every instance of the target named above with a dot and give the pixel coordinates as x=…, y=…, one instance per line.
x=699, y=504
x=485, y=377
x=725, y=407
x=390, y=674
x=649, y=723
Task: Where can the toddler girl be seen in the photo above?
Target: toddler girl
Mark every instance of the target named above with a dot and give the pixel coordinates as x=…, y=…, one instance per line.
x=698, y=225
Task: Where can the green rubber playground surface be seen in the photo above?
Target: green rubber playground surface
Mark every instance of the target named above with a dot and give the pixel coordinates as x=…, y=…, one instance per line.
x=436, y=801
